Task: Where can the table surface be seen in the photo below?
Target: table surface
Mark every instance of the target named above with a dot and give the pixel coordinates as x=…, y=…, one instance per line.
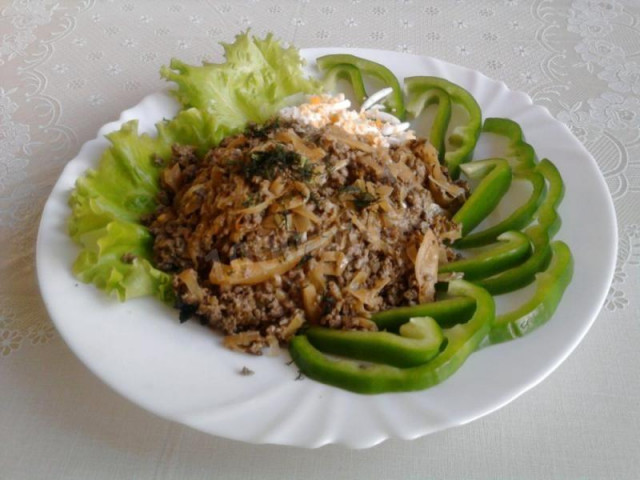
x=68, y=67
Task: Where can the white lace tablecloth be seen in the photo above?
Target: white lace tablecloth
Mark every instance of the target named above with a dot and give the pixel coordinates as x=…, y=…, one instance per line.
x=67, y=67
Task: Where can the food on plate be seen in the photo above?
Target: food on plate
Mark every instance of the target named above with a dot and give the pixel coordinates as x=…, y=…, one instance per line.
x=323, y=215
x=457, y=145
x=275, y=211
x=258, y=78
x=461, y=340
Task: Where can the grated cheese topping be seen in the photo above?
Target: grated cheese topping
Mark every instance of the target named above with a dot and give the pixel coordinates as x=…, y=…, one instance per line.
x=379, y=128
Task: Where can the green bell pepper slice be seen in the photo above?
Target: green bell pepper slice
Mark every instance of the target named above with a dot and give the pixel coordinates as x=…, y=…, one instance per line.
x=447, y=312
x=550, y=287
x=352, y=75
x=520, y=218
x=438, y=132
x=464, y=137
x=520, y=155
x=357, y=377
x=395, y=102
x=547, y=212
x=525, y=273
x=512, y=249
x=496, y=179
x=540, y=236
x=420, y=340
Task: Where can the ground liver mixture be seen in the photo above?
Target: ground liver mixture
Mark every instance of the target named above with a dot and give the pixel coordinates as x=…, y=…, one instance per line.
x=287, y=224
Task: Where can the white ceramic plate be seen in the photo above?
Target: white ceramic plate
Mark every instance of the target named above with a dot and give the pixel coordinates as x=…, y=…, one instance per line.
x=181, y=372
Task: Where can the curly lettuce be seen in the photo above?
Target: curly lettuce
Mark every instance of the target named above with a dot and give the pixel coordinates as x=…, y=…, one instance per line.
x=107, y=204
x=257, y=80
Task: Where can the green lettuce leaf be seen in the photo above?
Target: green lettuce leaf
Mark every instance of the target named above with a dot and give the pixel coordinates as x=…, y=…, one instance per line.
x=108, y=202
x=257, y=79
x=116, y=259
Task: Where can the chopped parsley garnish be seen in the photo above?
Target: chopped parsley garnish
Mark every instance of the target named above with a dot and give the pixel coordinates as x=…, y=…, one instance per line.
x=327, y=303
x=294, y=240
x=306, y=257
x=261, y=131
x=361, y=198
x=305, y=171
x=268, y=163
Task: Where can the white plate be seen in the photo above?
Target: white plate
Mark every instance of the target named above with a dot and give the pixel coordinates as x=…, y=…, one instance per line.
x=181, y=372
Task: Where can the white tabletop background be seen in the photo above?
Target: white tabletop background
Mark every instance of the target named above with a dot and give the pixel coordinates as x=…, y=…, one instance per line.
x=67, y=67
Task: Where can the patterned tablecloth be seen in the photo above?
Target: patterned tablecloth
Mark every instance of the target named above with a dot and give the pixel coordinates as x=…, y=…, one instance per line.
x=67, y=67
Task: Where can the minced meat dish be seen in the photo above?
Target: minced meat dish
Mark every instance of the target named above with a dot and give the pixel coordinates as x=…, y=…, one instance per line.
x=303, y=220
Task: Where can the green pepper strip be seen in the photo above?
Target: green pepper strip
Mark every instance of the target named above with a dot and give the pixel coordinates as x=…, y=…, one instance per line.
x=540, y=235
x=512, y=249
x=520, y=154
x=447, y=312
x=547, y=213
x=550, y=286
x=487, y=194
x=395, y=102
x=519, y=219
x=464, y=137
x=438, y=132
x=525, y=273
x=350, y=73
x=352, y=375
x=419, y=341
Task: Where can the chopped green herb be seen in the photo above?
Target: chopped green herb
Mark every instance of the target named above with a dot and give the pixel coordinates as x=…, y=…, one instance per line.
x=295, y=239
x=261, y=131
x=304, y=259
x=268, y=163
x=362, y=199
x=306, y=170
x=327, y=303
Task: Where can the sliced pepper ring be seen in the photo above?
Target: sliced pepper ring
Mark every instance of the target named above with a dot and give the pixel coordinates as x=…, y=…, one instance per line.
x=540, y=236
x=547, y=212
x=419, y=341
x=512, y=249
x=496, y=179
x=395, y=102
x=438, y=131
x=525, y=273
x=355, y=376
x=520, y=155
x=447, y=312
x=350, y=73
x=520, y=218
x=550, y=287
x=464, y=137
